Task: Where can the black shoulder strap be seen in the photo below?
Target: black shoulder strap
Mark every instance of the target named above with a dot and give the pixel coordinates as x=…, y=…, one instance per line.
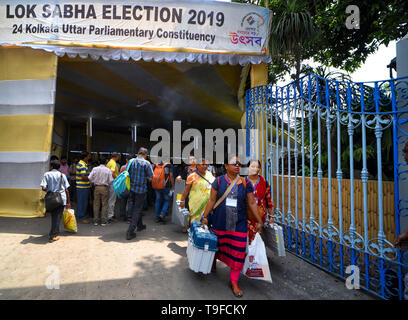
x=202, y=177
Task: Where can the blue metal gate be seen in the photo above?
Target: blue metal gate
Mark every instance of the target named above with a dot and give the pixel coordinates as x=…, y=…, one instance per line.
x=350, y=138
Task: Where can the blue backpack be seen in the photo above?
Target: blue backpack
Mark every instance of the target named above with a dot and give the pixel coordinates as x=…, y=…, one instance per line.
x=121, y=184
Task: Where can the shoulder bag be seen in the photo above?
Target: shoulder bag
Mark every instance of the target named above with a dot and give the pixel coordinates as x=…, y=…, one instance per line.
x=54, y=200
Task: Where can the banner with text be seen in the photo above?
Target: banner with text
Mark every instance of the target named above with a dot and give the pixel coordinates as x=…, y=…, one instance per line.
x=185, y=26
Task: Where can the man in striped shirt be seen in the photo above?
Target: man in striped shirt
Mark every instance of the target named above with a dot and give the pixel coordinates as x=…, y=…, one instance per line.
x=140, y=171
x=82, y=186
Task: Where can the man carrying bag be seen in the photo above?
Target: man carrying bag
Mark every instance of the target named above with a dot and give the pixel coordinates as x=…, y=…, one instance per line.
x=56, y=185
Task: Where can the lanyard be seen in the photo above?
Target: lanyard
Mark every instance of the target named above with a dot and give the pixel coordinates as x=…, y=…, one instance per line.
x=226, y=178
x=255, y=184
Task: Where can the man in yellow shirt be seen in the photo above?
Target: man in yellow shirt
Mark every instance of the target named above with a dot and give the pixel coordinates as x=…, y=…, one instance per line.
x=82, y=187
x=112, y=166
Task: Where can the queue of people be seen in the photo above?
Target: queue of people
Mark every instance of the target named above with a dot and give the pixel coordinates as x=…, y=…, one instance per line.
x=234, y=207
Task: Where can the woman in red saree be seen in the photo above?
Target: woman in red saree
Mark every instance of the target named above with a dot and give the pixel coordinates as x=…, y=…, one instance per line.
x=262, y=193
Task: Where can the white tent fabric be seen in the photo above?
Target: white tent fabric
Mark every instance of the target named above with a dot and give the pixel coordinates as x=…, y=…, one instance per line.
x=157, y=56
x=36, y=92
x=22, y=175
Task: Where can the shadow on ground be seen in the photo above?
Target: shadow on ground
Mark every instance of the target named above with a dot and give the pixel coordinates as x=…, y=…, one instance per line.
x=152, y=266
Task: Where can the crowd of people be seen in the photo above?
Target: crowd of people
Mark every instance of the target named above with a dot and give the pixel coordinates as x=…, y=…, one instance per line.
x=239, y=206
x=90, y=187
x=234, y=207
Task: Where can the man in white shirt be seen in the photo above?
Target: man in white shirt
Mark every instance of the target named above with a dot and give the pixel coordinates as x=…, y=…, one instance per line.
x=55, y=181
x=102, y=178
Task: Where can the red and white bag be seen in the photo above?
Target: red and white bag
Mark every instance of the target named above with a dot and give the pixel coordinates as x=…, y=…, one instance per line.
x=256, y=263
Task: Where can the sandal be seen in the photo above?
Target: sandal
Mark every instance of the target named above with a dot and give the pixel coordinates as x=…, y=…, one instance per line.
x=237, y=291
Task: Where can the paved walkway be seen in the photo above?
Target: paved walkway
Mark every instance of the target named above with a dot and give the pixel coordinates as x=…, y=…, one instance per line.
x=99, y=263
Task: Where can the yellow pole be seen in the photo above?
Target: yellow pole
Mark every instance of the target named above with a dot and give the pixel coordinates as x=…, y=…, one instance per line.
x=259, y=77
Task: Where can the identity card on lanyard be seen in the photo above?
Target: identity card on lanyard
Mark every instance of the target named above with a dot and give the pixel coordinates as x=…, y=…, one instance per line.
x=232, y=202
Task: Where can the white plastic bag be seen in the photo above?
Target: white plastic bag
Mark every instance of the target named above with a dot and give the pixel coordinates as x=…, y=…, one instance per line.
x=256, y=263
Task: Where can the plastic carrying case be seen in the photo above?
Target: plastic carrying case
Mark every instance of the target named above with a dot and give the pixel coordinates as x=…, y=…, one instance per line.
x=201, y=248
x=202, y=238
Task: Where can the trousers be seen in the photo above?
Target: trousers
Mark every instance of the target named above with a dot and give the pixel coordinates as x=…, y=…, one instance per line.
x=162, y=202
x=111, y=202
x=56, y=216
x=82, y=203
x=136, y=201
x=100, y=200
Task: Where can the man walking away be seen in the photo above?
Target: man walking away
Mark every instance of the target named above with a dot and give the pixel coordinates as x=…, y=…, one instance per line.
x=101, y=177
x=51, y=182
x=82, y=186
x=113, y=167
x=162, y=182
x=125, y=214
x=140, y=171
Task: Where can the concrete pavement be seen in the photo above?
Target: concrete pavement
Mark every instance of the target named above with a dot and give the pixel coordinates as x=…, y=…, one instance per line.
x=99, y=263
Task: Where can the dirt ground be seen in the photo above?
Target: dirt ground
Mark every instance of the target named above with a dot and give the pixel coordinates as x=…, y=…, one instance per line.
x=99, y=263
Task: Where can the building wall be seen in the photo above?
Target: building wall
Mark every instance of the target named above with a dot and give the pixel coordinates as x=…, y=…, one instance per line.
x=27, y=95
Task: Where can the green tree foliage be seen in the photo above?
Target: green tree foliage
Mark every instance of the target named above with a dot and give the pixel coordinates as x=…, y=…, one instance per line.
x=291, y=31
x=316, y=29
x=380, y=22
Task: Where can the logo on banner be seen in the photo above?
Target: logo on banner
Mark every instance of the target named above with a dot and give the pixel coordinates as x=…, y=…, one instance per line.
x=249, y=34
x=252, y=21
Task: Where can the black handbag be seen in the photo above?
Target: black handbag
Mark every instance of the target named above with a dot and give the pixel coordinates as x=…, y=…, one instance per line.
x=53, y=200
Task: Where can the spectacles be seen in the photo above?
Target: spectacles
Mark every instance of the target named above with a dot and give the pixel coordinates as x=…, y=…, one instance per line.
x=236, y=164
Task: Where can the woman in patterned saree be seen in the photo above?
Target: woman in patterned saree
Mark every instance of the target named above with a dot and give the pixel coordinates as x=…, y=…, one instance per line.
x=229, y=220
x=198, y=188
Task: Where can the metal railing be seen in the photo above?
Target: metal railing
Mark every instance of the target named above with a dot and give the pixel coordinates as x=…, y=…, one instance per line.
x=317, y=132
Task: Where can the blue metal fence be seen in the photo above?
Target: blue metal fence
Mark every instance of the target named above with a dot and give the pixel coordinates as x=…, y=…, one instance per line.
x=316, y=127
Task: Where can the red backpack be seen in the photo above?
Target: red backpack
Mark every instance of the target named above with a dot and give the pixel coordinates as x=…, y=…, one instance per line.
x=158, y=180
